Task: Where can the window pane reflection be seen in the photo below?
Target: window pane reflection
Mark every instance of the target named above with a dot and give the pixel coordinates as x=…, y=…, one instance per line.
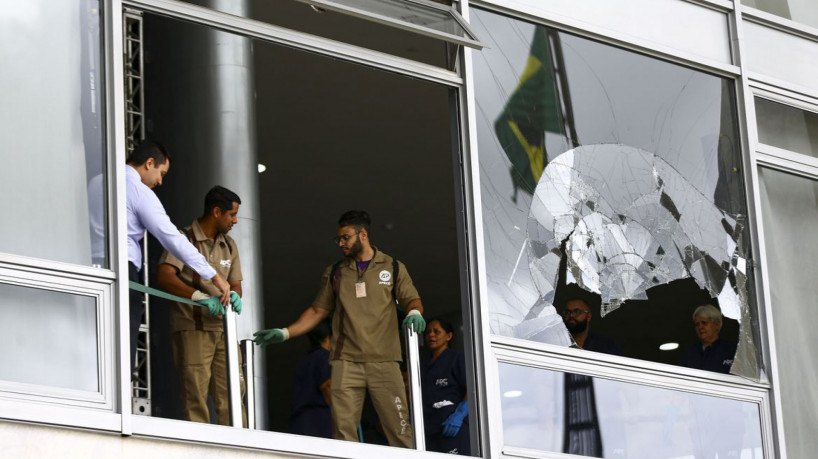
x=803, y=11
x=609, y=175
x=790, y=214
x=51, y=131
x=577, y=414
x=49, y=338
x=787, y=127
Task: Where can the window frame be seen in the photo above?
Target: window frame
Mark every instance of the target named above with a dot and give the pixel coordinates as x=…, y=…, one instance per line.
x=70, y=279
x=471, y=40
x=650, y=373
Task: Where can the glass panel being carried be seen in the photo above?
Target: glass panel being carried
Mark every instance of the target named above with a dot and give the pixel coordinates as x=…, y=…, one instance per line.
x=787, y=127
x=50, y=338
x=612, y=190
x=577, y=414
x=790, y=213
x=51, y=132
x=803, y=11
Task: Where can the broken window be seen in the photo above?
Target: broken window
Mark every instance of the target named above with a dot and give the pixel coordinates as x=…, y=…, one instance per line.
x=615, y=178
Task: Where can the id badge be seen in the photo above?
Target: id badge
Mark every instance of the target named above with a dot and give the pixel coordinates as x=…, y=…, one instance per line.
x=360, y=289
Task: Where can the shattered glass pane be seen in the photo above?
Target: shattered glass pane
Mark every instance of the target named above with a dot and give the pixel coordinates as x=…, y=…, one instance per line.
x=613, y=173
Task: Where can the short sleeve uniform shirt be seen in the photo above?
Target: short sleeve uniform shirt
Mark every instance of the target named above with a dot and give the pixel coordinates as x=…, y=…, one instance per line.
x=223, y=255
x=365, y=328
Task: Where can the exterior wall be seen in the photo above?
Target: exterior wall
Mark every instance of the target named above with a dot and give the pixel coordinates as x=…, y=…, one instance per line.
x=764, y=55
x=26, y=440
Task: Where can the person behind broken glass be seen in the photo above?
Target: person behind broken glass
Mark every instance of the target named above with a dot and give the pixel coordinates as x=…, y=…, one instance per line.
x=577, y=318
x=712, y=353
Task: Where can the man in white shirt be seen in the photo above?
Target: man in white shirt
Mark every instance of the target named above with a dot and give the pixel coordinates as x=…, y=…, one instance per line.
x=147, y=166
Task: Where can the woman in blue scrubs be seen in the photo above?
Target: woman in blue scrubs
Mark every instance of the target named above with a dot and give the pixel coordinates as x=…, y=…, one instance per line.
x=443, y=383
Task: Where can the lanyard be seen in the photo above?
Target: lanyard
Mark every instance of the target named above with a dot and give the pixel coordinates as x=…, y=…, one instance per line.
x=358, y=270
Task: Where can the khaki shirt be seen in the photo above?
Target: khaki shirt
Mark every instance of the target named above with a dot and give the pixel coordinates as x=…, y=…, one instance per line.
x=223, y=255
x=366, y=329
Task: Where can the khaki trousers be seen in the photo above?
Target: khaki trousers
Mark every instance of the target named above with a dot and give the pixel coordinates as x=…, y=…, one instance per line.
x=349, y=383
x=201, y=359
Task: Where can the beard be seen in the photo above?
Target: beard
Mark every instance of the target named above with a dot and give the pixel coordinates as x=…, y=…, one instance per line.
x=356, y=248
x=576, y=327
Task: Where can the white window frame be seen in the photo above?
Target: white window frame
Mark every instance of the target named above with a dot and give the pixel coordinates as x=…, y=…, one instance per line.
x=470, y=40
x=74, y=280
x=566, y=359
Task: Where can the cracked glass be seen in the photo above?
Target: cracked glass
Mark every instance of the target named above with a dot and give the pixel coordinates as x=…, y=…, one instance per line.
x=615, y=179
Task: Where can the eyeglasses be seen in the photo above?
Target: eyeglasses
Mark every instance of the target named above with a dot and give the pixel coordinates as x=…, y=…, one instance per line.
x=344, y=237
x=574, y=312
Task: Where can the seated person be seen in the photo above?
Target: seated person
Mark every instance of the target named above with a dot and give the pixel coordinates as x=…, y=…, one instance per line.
x=577, y=318
x=712, y=354
x=311, y=396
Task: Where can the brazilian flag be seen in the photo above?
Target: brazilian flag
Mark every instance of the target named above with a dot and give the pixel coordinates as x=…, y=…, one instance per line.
x=531, y=110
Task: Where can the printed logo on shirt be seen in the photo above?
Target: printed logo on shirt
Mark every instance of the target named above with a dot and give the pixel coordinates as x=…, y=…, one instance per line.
x=442, y=382
x=226, y=263
x=385, y=276
x=728, y=362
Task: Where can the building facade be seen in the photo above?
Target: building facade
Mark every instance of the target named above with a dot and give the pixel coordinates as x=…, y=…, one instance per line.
x=645, y=156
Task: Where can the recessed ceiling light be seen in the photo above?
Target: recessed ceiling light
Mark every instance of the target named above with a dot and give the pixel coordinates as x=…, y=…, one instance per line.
x=669, y=346
x=513, y=393
x=261, y=168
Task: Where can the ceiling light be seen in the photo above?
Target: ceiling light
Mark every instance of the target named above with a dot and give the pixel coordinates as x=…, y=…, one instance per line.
x=261, y=168
x=513, y=393
x=669, y=346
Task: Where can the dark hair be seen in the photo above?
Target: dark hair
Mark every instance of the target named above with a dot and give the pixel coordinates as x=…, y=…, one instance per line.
x=318, y=334
x=576, y=298
x=220, y=197
x=444, y=324
x=357, y=218
x=148, y=149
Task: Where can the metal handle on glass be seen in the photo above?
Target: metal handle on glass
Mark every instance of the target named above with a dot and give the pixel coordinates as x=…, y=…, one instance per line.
x=233, y=384
x=248, y=347
x=415, y=398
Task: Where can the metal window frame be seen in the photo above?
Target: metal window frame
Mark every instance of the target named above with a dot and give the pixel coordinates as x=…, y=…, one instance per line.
x=619, y=39
x=149, y=427
x=484, y=342
x=298, y=40
x=69, y=279
x=777, y=22
x=470, y=40
x=764, y=394
x=510, y=351
x=774, y=158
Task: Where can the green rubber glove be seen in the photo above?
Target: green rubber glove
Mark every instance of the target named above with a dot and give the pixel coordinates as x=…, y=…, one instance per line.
x=235, y=300
x=416, y=321
x=213, y=305
x=271, y=336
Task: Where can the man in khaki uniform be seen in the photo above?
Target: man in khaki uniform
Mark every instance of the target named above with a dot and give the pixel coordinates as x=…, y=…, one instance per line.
x=198, y=333
x=365, y=351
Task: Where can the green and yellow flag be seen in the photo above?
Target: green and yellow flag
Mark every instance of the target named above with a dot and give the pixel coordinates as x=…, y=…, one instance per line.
x=531, y=110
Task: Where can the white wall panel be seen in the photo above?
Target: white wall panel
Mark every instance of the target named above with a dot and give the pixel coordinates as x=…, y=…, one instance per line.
x=669, y=26
x=784, y=57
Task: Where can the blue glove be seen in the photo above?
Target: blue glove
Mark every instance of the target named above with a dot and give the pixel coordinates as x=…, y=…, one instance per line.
x=235, y=300
x=453, y=423
x=271, y=336
x=213, y=305
x=415, y=320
